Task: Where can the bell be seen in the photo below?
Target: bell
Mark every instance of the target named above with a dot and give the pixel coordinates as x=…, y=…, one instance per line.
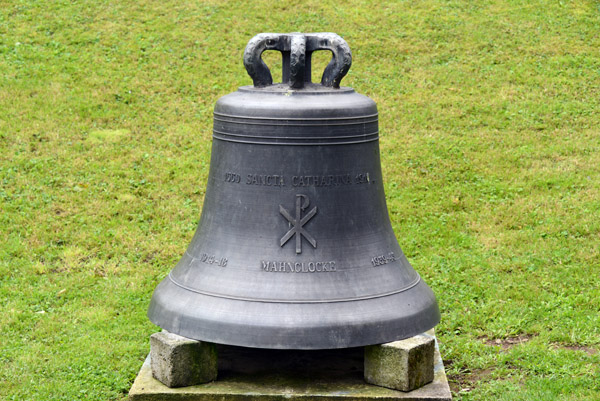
x=294, y=248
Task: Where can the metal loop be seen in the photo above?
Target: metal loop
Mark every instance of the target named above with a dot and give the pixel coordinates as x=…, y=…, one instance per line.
x=340, y=62
x=257, y=69
x=297, y=61
x=296, y=49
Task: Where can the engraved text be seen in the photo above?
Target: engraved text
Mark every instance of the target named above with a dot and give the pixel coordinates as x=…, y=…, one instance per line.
x=383, y=259
x=268, y=180
x=212, y=260
x=297, y=267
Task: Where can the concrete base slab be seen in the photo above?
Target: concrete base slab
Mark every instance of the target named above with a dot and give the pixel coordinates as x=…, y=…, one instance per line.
x=247, y=374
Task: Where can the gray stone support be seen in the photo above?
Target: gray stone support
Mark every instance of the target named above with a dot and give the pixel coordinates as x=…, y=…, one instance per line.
x=401, y=365
x=253, y=374
x=179, y=362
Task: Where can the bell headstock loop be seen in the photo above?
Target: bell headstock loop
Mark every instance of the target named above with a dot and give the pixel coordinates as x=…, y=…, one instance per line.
x=296, y=50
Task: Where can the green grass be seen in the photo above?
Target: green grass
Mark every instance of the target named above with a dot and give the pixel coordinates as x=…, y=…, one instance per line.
x=490, y=138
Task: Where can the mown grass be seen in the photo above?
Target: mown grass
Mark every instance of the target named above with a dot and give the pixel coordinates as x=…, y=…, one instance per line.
x=490, y=138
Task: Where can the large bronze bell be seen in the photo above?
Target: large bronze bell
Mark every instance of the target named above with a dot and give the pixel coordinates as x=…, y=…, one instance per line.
x=295, y=248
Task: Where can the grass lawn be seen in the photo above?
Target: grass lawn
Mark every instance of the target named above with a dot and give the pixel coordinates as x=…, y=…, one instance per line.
x=490, y=140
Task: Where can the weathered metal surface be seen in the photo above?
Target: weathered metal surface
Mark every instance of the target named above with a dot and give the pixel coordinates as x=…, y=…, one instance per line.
x=294, y=248
x=296, y=50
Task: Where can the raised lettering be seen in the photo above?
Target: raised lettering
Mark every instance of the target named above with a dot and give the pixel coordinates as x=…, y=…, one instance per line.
x=379, y=260
x=297, y=267
x=213, y=260
x=276, y=180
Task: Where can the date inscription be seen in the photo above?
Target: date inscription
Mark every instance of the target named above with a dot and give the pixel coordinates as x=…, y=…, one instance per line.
x=233, y=177
x=213, y=260
x=380, y=260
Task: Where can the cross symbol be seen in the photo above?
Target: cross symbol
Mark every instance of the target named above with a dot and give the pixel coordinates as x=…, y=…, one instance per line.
x=298, y=223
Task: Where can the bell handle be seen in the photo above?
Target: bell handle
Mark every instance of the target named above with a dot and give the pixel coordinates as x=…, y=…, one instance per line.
x=297, y=49
x=341, y=59
x=297, y=68
x=255, y=66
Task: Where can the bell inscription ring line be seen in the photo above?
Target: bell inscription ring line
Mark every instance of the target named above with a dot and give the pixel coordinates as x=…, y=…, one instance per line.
x=297, y=223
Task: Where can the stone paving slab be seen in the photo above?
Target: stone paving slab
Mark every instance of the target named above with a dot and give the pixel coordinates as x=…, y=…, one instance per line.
x=247, y=374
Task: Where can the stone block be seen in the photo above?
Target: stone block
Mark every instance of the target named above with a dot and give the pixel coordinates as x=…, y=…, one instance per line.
x=401, y=365
x=177, y=361
x=251, y=374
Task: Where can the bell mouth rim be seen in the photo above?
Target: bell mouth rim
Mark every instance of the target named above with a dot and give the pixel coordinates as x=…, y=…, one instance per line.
x=308, y=89
x=407, y=287
x=296, y=326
